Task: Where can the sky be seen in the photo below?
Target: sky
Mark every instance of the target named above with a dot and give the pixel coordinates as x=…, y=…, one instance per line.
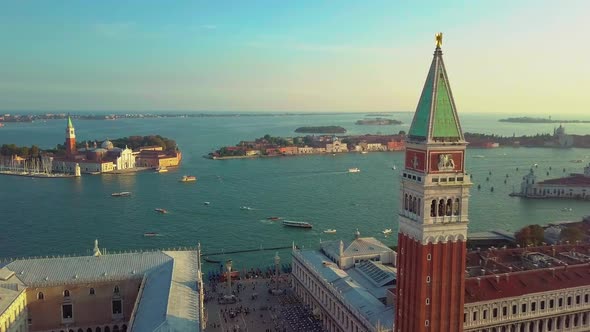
x=518, y=57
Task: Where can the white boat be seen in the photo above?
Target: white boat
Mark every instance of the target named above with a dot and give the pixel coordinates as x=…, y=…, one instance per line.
x=479, y=156
x=394, y=167
x=121, y=194
x=387, y=231
x=364, y=152
x=161, y=169
x=567, y=209
x=188, y=178
x=330, y=231
x=160, y=210
x=246, y=208
x=206, y=203
x=354, y=170
x=299, y=224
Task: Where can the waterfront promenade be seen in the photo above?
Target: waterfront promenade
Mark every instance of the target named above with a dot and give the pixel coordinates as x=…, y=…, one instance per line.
x=256, y=309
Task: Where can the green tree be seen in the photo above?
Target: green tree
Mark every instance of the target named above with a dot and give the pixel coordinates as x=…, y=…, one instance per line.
x=530, y=235
x=571, y=234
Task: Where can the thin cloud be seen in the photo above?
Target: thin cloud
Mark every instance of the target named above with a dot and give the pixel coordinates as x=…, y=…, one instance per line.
x=114, y=30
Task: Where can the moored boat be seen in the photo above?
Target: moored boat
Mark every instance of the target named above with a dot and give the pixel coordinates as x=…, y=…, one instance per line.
x=330, y=231
x=299, y=224
x=161, y=210
x=148, y=234
x=161, y=169
x=210, y=260
x=121, y=194
x=387, y=231
x=188, y=178
x=273, y=218
x=354, y=170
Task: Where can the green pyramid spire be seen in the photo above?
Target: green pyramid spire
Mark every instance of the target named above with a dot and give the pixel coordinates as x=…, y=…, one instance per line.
x=436, y=117
x=70, y=125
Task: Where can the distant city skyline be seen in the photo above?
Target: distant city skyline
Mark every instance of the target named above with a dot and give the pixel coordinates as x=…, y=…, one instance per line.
x=520, y=58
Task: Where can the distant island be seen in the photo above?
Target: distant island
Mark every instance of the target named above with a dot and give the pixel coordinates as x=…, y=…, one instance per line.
x=378, y=122
x=321, y=130
x=526, y=119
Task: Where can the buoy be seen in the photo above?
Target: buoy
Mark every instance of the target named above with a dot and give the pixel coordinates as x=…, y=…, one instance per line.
x=492, y=189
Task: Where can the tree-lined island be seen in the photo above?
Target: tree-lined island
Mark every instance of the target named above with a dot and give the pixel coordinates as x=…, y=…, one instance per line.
x=527, y=119
x=378, y=122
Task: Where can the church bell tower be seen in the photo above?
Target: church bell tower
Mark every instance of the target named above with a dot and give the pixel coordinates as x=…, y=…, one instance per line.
x=433, y=213
x=70, y=143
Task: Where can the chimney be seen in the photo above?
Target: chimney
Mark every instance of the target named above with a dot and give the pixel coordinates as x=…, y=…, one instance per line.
x=478, y=281
x=497, y=279
x=507, y=276
x=483, y=272
x=552, y=272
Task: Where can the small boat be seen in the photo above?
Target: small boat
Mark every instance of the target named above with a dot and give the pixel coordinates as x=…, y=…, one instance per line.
x=273, y=218
x=577, y=161
x=206, y=203
x=188, y=178
x=299, y=224
x=148, y=234
x=121, y=194
x=330, y=231
x=479, y=156
x=567, y=209
x=364, y=152
x=161, y=210
x=353, y=170
x=209, y=260
x=161, y=169
x=387, y=231
x=246, y=208
x=394, y=167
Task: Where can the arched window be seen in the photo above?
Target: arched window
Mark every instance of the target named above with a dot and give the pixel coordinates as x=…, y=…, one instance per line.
x=40, y=296
x=116, y=290
x=410, y=204
x=91, y=291
x=80, y=330
x=449, y=207
x=433, y=208
x=98, y=329
x=419, y=207
x=116, y=328
x=88, y=330
x=66, y=293
x=107, y=329
x=456, y=209
x=415, y=204
x=406, y=202
x=441, y=208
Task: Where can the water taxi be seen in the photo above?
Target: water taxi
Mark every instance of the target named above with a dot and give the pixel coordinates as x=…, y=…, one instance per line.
x=149, y=234
x=354, y=170
x=206, y=203
x=121, y=194
x=299, y=224
x=330, y=231
x=387, y=231
x=161, y=210
x=273, y=218
x=188, y=178
x=161, y=169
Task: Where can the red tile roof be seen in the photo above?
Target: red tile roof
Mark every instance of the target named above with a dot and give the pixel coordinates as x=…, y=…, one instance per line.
x=575, y=180
x=492, y=287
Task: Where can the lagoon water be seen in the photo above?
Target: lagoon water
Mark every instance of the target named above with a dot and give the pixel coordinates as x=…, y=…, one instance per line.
x=64, y=216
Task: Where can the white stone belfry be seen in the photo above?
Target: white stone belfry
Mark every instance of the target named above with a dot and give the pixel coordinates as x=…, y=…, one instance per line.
x=96, y=251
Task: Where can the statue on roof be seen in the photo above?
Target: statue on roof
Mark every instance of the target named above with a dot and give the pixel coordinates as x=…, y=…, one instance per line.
x=96, y=251
x=438, y=37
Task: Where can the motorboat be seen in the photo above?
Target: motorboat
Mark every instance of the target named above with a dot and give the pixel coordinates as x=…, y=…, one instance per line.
x=160, y=210
x=354, y=170
x=567, y=209
x=273, y=218
x=150, y=234
x=188, y=178
x=246, y=208
x=394, y=167
x=210, y=260
x=206, y=203
x=364, y=152
x=161, y=169
x=387, y=231
x=330, y=231
x=479, y=156
x=121, y=194
x=299, y=224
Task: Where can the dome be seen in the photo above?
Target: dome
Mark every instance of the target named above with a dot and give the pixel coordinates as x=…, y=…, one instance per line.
x=107, y=145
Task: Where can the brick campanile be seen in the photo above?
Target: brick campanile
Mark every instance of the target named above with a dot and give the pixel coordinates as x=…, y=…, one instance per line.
x=433, y=213
x=70, y=139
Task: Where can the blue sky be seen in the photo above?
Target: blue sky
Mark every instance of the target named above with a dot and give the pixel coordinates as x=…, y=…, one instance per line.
x=502, y=56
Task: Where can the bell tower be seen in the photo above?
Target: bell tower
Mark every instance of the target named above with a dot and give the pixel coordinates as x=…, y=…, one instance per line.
x=433, y=213
x=70, y=143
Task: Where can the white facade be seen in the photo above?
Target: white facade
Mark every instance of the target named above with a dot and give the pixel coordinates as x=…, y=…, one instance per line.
x=578, y=188
x=125, y=160
x=559, y=310
x=336, y=146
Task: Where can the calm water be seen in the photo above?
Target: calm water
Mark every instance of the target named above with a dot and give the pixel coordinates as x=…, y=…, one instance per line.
x=58, y=216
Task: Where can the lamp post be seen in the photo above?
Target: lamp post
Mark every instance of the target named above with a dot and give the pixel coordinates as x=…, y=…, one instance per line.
x=228, y=265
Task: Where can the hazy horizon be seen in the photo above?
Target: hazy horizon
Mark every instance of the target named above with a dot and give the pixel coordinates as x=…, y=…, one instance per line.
x=504, y=57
